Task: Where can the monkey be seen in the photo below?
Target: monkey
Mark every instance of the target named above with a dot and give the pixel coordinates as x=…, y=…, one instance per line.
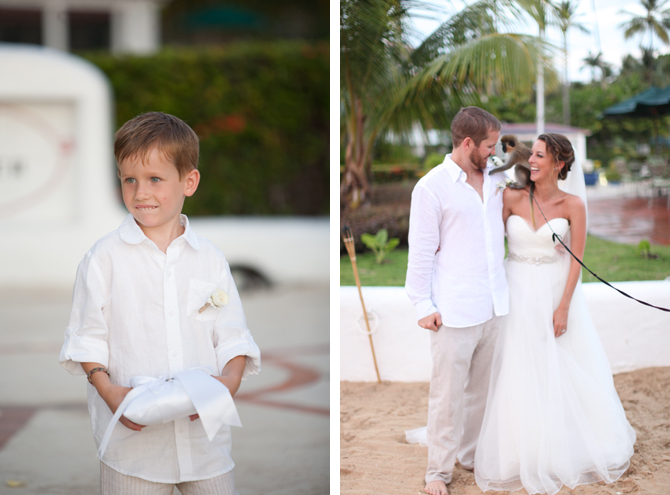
x=518, y=154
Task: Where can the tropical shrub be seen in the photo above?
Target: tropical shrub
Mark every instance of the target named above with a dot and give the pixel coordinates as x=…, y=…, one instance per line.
x=260, y=109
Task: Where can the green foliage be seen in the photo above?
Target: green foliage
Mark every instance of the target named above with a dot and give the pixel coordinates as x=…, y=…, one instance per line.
x=611, y=261
x=643, y=247
x=260, y=109
x=512, y=107
x=380, y=244
x=610, y=138
x=385, y=152
x=644, y=250
x=612, y=174
x=620, y=262
x=392, y=273
x=432, y=161
x=388, y=87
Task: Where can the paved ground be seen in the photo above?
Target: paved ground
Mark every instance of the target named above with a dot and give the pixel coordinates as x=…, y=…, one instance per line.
x=46, y=444
x=624, y=213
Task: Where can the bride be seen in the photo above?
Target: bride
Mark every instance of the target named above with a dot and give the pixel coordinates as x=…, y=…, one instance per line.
x=553, y=417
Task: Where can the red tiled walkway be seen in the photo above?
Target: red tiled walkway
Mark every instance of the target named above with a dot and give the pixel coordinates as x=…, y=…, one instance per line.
x=629, y=220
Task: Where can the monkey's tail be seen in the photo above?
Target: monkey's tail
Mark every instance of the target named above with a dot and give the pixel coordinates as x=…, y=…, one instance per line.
x=530, y=196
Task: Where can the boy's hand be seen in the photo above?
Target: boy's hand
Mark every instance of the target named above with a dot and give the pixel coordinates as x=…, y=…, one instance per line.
x=231, y=384
x=231, y=377
x=113, y=395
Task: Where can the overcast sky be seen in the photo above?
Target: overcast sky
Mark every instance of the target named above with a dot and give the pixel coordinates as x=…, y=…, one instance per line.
x=614, y=47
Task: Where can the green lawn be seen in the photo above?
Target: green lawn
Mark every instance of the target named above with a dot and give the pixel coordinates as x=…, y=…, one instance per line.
x=611, y=261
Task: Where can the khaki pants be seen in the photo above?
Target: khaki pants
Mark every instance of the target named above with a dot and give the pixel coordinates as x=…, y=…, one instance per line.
x=114, y=483
x=458, y=388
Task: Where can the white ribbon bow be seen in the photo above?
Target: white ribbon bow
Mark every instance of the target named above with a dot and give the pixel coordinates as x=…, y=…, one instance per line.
x=204, y=394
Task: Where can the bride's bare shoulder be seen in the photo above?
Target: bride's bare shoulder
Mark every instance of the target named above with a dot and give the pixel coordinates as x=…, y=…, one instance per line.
x=574, y=202
x=512, y=196
x=574, y=208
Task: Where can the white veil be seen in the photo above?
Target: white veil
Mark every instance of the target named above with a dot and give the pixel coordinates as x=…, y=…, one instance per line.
x=574, y=184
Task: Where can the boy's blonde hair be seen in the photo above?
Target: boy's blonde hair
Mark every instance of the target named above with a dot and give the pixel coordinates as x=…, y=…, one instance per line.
x=165, y=132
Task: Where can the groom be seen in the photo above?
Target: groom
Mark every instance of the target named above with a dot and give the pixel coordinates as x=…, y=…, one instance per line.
x=456, y=281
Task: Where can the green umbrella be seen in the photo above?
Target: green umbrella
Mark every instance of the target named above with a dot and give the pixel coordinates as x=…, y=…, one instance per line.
x=650, y=103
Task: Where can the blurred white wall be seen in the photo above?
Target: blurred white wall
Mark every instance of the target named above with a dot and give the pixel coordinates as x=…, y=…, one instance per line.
x=633, y=336
x=58, y=180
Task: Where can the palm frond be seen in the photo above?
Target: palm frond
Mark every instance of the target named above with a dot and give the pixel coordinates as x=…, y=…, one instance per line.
x=506, y=60
x=633, y=26
x=661, y=32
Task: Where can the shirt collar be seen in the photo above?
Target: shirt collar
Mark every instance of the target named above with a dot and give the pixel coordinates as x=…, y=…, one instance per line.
x=453, y=169
x=132, y=233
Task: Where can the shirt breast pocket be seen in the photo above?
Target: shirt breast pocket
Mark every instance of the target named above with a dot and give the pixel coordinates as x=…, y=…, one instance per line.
x=198, y=293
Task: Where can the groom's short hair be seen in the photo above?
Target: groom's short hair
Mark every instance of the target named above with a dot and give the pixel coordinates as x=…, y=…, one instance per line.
x=472, y=122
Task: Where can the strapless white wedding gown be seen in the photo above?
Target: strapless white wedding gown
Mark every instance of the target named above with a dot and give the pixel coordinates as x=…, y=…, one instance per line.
x=553, y=416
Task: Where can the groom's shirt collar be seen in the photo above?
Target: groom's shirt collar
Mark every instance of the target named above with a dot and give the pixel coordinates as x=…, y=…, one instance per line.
x=454, y=171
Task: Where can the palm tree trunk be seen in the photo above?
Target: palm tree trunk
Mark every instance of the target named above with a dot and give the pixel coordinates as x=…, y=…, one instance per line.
x=355, y=186
x=566, y=82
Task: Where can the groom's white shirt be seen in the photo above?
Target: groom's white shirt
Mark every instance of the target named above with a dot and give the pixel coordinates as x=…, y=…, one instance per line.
x=465, y=280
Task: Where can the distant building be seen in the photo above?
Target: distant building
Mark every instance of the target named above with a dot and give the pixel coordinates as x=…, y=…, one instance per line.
x=121, y=26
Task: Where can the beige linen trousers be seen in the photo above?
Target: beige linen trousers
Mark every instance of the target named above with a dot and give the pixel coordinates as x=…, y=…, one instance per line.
x=114, y=483
x=459, y=386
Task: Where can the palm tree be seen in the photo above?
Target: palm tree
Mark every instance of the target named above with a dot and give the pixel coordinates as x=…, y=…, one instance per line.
x=566, y=13
x=388, y=87
x=540, y=13
x=596, y=62
x=648, y=64
x=656, y=21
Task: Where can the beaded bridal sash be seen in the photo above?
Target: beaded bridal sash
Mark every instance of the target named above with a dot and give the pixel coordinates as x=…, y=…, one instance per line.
x=533, y=260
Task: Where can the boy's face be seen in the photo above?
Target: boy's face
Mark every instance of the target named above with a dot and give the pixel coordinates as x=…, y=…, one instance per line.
x=152, y=191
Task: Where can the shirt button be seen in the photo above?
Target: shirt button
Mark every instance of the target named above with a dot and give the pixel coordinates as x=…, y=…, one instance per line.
x=181, y=430
x=170, y=314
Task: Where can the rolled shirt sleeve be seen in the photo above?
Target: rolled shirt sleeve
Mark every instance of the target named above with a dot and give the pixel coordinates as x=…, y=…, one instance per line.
x=86, y=333
x=232, y=338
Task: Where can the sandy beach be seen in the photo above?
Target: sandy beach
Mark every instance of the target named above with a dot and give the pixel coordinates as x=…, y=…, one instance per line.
x=375, y=458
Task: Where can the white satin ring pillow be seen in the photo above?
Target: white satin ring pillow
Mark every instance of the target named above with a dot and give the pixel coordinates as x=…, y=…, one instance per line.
x=162, y=402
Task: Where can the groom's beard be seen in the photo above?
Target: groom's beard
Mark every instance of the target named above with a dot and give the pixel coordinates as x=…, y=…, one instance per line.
x=478, y=160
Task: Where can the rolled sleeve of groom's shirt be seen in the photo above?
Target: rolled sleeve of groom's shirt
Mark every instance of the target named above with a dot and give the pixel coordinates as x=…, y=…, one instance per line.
x=232, y=337
x=424, y=241
x=86, y=333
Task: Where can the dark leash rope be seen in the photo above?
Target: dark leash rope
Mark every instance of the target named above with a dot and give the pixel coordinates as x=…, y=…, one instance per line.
x=556, y=237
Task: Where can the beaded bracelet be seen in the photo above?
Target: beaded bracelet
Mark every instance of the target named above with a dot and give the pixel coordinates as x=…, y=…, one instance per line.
x=94, y=370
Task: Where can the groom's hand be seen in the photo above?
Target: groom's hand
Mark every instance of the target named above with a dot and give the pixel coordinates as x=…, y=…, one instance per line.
x=431, y=322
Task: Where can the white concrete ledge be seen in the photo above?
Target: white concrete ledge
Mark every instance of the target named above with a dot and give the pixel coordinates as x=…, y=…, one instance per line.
x=634, y=336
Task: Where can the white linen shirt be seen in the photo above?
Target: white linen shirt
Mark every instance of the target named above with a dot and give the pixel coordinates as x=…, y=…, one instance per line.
x=135, y=311
x=465, y=280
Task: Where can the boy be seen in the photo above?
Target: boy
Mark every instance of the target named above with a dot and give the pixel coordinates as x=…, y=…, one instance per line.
x=136, y=310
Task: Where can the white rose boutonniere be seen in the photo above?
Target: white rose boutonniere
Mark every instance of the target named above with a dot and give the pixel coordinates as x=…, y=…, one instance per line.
x=502, y=185
x=218, y=299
